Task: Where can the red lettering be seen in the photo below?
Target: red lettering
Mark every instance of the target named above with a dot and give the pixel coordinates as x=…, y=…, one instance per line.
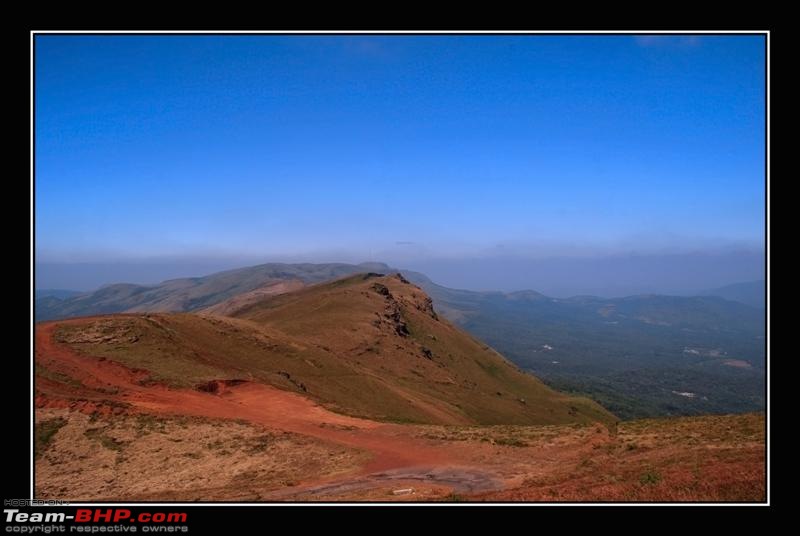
x=100, y=516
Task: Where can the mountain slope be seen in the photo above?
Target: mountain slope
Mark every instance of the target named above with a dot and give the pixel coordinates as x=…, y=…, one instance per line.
x=367, y=345
x=189, y=294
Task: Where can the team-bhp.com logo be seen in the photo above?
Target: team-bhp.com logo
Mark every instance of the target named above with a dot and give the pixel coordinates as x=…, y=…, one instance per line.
x=94, y=515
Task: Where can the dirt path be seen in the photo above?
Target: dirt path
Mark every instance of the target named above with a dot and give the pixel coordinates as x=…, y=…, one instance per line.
x=456, y=479
x=395, y=455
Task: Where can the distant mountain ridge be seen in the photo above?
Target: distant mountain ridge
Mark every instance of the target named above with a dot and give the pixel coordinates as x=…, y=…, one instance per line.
x=191, y=293
x=753, y=293
x=195, y=293
x=55, y=293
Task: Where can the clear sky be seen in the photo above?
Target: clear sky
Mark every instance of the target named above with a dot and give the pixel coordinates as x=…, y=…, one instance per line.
x=397, y=147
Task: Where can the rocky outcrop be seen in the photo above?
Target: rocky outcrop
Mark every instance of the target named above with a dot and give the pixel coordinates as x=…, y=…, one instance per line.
x=219, y=387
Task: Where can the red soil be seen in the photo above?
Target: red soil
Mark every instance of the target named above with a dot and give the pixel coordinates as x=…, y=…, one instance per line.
x=253, y=402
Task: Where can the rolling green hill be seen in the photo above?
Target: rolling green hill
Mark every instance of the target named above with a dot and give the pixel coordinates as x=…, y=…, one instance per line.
x=366, y=345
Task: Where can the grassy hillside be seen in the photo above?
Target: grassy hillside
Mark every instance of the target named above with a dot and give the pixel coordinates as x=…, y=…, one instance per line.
x=365, y=345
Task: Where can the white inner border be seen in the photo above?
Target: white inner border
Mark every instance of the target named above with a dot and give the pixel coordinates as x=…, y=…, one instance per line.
x=766, y=33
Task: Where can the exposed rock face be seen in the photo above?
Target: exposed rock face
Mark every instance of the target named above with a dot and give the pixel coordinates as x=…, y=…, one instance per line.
x=393, y=313
x=383, y=290
x=426, y=306
x=219, y=386
x=395, y=316
x=293, y=381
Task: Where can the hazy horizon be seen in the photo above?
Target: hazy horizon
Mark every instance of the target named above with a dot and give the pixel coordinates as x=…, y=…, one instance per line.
x=606, y=165
x=606, y=276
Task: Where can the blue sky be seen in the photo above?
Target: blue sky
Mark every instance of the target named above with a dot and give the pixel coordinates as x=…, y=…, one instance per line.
x=397, y=147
